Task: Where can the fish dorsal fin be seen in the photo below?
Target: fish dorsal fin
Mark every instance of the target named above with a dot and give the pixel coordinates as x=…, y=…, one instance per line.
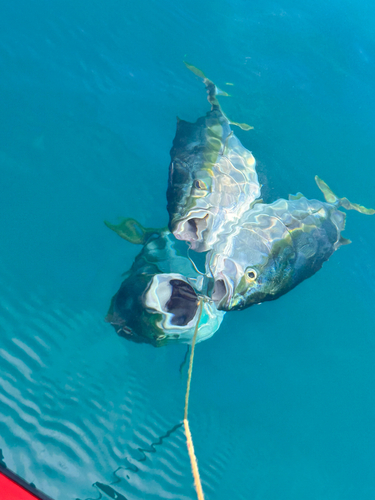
x=330, y=197
x=213, y=91
x=297, y=196
x=132, y=231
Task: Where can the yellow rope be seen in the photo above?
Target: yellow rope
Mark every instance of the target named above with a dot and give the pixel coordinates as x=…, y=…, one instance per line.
x=193, y=460
x=190, y=447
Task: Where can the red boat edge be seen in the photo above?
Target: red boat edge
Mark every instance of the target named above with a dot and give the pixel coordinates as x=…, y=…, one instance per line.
x=13, y=487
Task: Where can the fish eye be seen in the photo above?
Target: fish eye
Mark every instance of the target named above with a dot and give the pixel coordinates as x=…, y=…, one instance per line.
x=199, y=184
x=251, y=274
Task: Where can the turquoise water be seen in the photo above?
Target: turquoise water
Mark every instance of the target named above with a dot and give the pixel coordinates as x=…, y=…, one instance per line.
x=282, y=400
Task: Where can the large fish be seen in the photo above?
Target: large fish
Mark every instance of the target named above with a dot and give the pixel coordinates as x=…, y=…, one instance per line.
x=276, y=247
x=158, y=302
x=212, y=177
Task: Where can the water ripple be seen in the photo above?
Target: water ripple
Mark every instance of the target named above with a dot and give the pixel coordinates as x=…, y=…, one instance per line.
x=88, y=412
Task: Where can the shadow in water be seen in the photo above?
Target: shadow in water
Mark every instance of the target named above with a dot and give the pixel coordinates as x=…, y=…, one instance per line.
x=107, y=488
x=2, y=463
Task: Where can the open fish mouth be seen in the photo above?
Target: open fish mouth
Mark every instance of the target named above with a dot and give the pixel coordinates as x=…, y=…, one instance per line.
x=221, y=293
x=192, y=229
x=174, y=298
x=182, y=304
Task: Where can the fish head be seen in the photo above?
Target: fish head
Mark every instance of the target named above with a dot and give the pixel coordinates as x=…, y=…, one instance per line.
x=202, y=201
x=212, y=180
x=160, y=309
x=251, y=270
x=172, y=306
x=190, y=202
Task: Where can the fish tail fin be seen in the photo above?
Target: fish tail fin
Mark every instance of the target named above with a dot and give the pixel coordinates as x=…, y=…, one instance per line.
x=330, y=197
x=132, y=231
x=213, y=91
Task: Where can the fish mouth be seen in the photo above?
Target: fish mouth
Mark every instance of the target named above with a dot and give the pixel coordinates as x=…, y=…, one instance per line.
x=183, y=302
x=172, y=297
x=192, y=229
x=221, y=293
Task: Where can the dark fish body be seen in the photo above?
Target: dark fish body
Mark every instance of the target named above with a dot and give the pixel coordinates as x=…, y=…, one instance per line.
x=212, y=177
x=276, y=247
x=157, y=302
x=194, y=145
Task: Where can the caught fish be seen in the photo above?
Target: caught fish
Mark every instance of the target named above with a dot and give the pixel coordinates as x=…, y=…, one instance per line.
x=212, y=177
x=158, y=302
x=276, y=247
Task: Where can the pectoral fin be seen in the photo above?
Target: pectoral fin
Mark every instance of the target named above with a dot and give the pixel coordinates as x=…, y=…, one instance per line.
x=132, y=231
x=344, y=241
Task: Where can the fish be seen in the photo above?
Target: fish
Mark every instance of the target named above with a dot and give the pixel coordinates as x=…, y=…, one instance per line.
x=277, y=246
x=161, y=299
x=212, y=177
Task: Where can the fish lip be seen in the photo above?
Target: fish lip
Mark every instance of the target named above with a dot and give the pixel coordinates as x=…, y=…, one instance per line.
x=190, y=228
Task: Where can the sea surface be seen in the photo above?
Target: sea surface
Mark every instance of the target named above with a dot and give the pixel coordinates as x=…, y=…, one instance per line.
x=282, y=400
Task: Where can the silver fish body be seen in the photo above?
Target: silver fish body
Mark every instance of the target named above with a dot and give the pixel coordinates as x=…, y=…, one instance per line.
x=275, y=248
x=212, y=177
x=158, y=302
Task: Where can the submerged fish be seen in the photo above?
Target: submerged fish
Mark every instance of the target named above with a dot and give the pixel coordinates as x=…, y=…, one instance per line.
x=276, y=247
x=212, y=177
x=158, y=302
